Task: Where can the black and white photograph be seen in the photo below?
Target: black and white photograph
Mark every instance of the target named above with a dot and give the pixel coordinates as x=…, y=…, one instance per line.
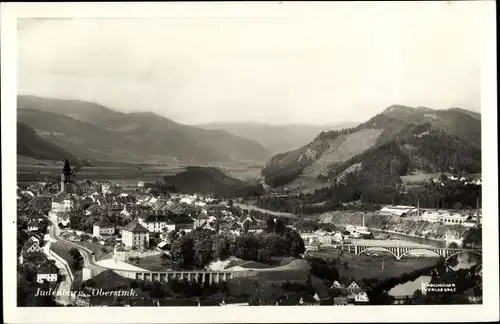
x=207, y=156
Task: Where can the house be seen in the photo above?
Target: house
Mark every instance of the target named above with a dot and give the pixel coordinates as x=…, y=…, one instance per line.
x=126, y=212
x=31, y=247
x=201, y=220
x=351, y=286
x=453, y=218
x=182, y=222
x=155, y=223
x=431, y=217
x=47, y=271
x=257, y=227
x=32, y=226
x=231, y=227
x=134, y=235
x=103, y=228
x=114, y=211
x=93, y=210
x=42, y=203
x=337, y=237
x=63, y=201
x=398, y=210
x=162, y=246
x=361, y=297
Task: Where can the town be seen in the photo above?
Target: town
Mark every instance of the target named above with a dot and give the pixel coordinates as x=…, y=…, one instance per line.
x=94, y=235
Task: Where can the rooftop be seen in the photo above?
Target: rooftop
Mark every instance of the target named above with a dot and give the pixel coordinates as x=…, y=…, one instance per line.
x=135, y=227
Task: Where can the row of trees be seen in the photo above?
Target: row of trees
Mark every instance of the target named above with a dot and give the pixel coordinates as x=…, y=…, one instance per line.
x=200, y=247
x=454, y=195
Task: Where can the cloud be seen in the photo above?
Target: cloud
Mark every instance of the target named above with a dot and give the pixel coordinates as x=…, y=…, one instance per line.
x=347, y=65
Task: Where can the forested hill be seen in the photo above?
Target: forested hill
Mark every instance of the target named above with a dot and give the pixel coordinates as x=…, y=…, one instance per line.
x=399, y=141
x=31, y=145
x=209, y=180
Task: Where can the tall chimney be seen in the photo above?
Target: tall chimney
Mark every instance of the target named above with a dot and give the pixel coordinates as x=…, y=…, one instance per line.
x=418, y=207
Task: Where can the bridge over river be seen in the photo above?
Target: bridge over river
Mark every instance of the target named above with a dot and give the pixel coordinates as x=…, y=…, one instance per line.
x=397, y=248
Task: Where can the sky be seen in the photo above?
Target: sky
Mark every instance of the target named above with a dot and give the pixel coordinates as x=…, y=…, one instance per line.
x=318, y=65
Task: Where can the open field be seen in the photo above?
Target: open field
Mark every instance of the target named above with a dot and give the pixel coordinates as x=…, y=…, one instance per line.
x=61, y=248
x=29, y=169
x=98, y=250
x=151, y=263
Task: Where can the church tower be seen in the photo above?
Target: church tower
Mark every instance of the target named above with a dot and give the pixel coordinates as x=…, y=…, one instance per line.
x=66, y=177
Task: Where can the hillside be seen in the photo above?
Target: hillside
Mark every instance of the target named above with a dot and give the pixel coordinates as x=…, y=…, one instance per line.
x=397, y=142
x=29, y=144
x=206, y=180
x=276, y=138
x=96, y=132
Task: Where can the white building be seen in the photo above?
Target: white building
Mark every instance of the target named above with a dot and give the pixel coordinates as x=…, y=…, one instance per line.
x=155, y=223
x=398, y=210
x=361, y=297
x=102, y=228
x=63, y=202
x=453, y=218
x=32, y=226
x=134, y=235
x=47, y=272
x=433, y=216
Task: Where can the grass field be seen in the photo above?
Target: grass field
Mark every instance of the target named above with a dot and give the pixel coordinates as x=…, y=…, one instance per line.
x=62, y=249
x=98, y=252
x=151, y=263
x=29, y=169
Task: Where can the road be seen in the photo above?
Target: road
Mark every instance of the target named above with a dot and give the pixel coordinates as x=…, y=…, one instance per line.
x=64, y=287
x=88, y=258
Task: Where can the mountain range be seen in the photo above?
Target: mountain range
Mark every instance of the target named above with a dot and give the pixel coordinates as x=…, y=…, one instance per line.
x=32, y=145
x=399, y=141
x=94, y=132
x=276, y=137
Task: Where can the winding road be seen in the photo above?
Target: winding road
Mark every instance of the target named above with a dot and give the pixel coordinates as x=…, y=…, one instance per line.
x=88, y=258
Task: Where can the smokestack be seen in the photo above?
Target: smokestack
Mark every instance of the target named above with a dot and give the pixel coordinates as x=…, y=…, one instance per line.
x=418, y=207
x=364, y=219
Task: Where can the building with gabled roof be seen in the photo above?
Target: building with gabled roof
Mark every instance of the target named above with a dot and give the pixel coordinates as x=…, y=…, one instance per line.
x=134, y=235
x=154, y=223
x=47, y=271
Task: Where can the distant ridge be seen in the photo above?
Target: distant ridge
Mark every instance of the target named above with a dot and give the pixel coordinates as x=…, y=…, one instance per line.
x=276, y=137
x=402, y=139
x=95, y=132
x=29, y=144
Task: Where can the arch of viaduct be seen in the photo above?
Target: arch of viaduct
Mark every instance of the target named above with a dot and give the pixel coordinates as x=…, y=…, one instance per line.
x=399, y=252
x=208, y=277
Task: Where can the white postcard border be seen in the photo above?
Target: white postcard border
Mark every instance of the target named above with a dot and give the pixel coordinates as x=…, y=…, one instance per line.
x=460, y=313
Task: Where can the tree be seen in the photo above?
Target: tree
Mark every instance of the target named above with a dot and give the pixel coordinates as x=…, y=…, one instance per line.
x=295, y=243
x=269, y=225
x=457, y=205
x=182, y=250
x=280, y=227
x=453, y=245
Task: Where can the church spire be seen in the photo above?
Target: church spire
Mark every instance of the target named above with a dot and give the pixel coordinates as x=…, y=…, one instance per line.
x=66, y=168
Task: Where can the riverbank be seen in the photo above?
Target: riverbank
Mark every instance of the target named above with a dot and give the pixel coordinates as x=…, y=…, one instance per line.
x=395, y=225
x=404, y=234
